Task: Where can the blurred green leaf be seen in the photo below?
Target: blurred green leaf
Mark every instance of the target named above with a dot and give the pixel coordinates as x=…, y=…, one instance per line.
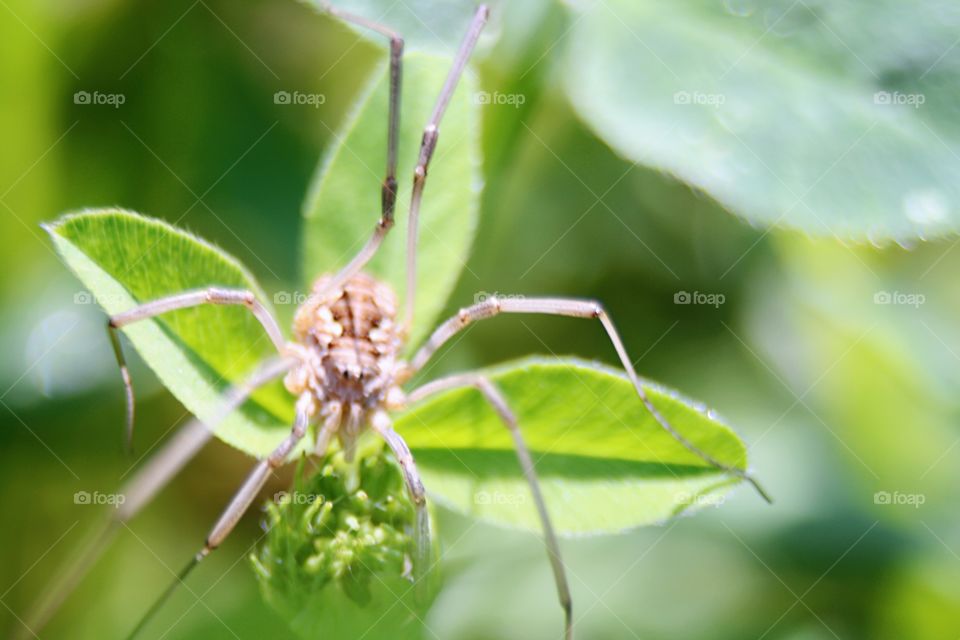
x=29, y=129
x=923, y=599
x=604, y=463
x=343, y=204
x=125, y=259
x=833, y=118
x=874, y=355
x=425, y=25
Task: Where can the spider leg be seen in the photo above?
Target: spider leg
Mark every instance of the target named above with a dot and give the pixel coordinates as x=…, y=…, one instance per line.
x=589, y=309
x=500, y=406
x=388, y=191
x=428, y=144
x=331, y=424
x=145, y=484
x=382, y=424
x=211, y=295
x=241, y=501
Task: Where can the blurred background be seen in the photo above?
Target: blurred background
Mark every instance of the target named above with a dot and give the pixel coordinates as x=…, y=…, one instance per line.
x=835, y=351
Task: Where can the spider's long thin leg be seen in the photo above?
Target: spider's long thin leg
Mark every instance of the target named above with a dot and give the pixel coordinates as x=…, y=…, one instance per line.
x=211, y=295
x=241, y=501
x=388, y=191
x=382, y=424
x=427, y=146
x=499, y=404
x=590, y=309
x=145, y=484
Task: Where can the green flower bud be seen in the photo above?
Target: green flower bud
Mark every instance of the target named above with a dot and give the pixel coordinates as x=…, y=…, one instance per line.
x=337, y=558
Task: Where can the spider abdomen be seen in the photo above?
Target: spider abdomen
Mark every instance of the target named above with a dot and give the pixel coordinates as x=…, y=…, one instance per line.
x=351, y=341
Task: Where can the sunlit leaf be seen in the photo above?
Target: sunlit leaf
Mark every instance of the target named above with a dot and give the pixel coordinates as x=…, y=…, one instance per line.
x=125, y=259
x=604, y=463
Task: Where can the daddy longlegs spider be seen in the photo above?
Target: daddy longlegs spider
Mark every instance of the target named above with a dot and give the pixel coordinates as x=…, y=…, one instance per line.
x=344, y=366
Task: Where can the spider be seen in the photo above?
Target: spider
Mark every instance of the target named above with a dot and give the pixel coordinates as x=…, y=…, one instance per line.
x=344, y=366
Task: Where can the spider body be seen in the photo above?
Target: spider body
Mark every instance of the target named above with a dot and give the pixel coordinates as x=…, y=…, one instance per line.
x=347, y=343
x=345, y=369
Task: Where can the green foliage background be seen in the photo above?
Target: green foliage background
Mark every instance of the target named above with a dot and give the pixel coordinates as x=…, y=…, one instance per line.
x=839, y=397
